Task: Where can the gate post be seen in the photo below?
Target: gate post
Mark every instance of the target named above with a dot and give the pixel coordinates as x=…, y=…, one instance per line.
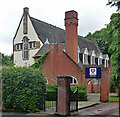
x=104, y=88
x=63, y=98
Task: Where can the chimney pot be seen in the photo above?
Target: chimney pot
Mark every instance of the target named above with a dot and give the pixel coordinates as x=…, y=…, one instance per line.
x=26, y=10
x=71, y=14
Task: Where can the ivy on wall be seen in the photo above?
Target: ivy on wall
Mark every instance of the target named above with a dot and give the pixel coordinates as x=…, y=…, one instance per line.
x=40, y=61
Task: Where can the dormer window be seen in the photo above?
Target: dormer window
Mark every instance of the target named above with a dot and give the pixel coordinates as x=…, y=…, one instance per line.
x=85, y=56
x=106, y=58
x=100, y=61
x=25, y=42
x=85, y=59
x=100, y=57
x=92, y=57
x=92, y=60
x=96, y=61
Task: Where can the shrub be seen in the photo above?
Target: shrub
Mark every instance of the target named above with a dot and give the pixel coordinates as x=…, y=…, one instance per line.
x=82, y=93
x=51, y=93
x=23, y=88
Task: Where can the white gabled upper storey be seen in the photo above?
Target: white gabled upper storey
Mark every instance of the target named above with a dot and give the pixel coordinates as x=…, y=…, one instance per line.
x=33, y=44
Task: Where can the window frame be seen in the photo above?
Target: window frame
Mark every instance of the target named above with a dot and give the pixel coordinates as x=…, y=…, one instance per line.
x=34, y=44
x=30, y=45
x=17, y=47
x=21, y=46
x=73, y=79
x=25, y=49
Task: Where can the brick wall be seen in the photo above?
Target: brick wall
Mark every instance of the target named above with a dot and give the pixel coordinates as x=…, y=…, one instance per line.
x=58, y=63
x=104, y=89
x=71, y=37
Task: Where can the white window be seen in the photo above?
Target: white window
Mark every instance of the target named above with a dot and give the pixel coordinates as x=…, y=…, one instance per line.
x=88, y=82
x=92, y=60
x=25, y=41
x=85, y=56
x=95, y=81
x=73, y=80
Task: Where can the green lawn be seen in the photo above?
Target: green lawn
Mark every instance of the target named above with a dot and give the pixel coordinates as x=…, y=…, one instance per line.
x=114, y=99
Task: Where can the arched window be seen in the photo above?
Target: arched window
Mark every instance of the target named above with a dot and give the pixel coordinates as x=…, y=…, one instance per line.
x=25, y=43
x=88, y=82
x=95, y=81
x=73, y=80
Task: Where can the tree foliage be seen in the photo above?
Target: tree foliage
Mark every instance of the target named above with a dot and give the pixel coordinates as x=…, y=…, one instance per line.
x=108, y=40
x=6, y=60
x=23, y=88
x=114, y=3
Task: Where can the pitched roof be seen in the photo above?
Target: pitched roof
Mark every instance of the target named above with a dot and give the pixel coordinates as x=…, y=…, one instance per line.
x=57, y=35
x=42, y=50
x=45, y=30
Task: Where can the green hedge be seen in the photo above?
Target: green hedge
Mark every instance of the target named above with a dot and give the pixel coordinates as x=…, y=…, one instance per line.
x=51, y=93
x=82, y=93
x=23, y=88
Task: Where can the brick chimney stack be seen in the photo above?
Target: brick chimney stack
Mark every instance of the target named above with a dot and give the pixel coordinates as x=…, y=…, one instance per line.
x=71, y=38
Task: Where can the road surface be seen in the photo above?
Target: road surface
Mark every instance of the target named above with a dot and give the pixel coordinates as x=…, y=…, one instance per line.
x=103, y=110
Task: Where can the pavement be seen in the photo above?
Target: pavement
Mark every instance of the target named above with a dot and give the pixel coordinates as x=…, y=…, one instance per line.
x=93, y=99
x=101, y=110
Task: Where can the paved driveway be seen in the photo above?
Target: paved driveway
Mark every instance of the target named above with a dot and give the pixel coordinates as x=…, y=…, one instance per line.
x=103, y=110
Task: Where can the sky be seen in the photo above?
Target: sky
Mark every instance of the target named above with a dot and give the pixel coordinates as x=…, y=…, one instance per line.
x=92, y=14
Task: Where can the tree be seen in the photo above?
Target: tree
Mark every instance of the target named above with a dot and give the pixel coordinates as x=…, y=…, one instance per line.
x=102, y=39
x=114, y=30
x=108, y=40
x=6, y=60
x=114, y=3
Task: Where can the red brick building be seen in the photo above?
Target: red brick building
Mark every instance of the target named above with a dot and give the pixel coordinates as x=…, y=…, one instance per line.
x=69, y=53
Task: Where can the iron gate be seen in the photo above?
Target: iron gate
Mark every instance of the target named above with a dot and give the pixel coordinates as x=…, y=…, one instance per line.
x=74, y=100
x=50, y=98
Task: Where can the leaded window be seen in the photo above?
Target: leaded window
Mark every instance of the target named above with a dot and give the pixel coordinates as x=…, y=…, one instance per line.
x=21, y=46
x=17, y=46
x=25, y=40
x=34, y=44
x=30, y=45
